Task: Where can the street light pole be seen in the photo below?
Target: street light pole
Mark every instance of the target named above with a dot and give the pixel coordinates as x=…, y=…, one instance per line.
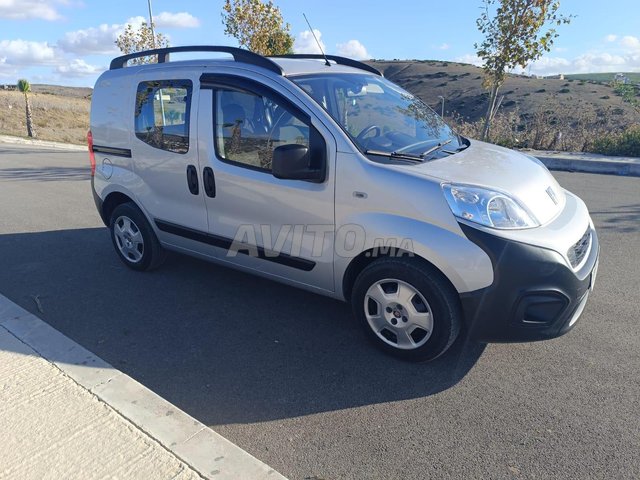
x=153, y=33
x=442, y=109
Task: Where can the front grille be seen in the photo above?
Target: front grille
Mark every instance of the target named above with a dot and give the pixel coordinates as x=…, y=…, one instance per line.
x=579, y=250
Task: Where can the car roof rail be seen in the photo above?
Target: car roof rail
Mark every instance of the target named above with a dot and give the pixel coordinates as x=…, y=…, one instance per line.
x=336, y=58
x=239, y=55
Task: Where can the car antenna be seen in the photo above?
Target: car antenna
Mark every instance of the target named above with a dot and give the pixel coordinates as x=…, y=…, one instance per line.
x=326, y=60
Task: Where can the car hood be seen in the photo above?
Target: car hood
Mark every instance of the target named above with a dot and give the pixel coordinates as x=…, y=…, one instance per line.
x=520, y=176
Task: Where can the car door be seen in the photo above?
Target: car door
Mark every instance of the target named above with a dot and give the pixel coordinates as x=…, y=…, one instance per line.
x=280, y=227
x=164, y=147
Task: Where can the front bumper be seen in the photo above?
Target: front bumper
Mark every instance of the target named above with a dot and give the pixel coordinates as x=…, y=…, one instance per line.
x=534, y=296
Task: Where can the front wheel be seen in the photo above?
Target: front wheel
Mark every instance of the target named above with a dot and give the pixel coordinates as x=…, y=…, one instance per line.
x=407, y=308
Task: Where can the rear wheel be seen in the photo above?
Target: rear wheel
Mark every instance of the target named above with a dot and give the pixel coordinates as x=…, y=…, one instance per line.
x=407, y=308
x=133, y=238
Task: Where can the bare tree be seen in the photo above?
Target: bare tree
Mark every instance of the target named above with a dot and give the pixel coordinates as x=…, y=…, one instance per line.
x=517, y=32
x=257, y=26
x=134, y=40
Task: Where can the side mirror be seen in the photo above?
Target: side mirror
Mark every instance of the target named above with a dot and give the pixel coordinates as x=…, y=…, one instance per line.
x=293, y=162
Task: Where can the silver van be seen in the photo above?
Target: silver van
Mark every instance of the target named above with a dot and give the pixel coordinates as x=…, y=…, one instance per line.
x=319, y=173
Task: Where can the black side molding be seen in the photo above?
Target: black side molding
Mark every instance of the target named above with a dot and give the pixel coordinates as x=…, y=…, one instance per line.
x=117, y=152
x=245, y=249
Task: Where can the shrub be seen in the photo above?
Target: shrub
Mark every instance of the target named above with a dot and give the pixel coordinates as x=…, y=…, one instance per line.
x=564, y=90
x=626, y=143
x=542, y=90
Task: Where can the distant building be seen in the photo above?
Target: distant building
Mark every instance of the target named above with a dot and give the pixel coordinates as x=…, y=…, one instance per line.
x=621, y=78
x=7, y=87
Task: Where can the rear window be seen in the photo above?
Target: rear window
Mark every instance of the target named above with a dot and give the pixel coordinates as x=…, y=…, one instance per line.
x=162, y=114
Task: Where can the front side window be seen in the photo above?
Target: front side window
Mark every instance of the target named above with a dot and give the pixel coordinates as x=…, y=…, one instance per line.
x=377, y=114
x=162, y=114
x=249, y=127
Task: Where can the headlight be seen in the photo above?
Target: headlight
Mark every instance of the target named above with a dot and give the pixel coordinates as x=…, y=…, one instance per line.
x=487, y=207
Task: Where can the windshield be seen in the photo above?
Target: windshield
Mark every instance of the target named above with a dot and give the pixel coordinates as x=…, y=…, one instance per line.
x=381, y=117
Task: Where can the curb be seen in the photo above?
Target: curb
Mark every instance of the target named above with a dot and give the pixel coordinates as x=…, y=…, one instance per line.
x=195, y=444
x=41, y=143
x=588, y=163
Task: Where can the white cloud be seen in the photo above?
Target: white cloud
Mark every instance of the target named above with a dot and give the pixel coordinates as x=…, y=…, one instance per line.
x=95, y=40
x=305, y=43
x=101, y=40
x=615, y=54
x=353, y=49
x=27, y=53
x=8, y=72
x=630, y=43
x=444, y=46
x=29, y=9
x=470, y=58
x=586, y=63
x=176, y=20
x=79, y=68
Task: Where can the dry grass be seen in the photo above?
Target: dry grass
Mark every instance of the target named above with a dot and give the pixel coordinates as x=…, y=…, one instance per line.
x=57, y=118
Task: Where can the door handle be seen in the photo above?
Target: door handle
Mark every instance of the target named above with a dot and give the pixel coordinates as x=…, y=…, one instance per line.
x=209, y=181
x=192, y=179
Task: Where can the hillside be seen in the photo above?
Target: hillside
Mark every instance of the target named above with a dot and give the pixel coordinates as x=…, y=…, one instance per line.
x=461, y=86
x=59, y=113
x=633, y=77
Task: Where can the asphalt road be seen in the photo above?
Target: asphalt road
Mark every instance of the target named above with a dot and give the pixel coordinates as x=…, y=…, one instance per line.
x=288, y=376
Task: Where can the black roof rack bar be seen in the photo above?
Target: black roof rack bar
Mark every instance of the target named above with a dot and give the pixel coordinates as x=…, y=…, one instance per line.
x=239, y=55
x=339, y=60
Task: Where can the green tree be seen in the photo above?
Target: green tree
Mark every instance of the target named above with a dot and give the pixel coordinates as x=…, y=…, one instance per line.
x=628, y=92
x=516, y=33
x=257, y=26
x=134, y=40
x=25, y=87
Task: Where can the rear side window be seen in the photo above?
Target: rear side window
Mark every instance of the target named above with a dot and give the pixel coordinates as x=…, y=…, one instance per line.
x=162, y=114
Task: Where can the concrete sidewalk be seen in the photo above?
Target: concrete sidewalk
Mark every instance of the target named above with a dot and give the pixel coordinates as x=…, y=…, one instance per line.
x=41, y=143
x=65, y=413
x=588, y=162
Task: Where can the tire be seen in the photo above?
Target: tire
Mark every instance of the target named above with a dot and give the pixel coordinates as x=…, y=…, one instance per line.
x=133, y=238
x=407, y=308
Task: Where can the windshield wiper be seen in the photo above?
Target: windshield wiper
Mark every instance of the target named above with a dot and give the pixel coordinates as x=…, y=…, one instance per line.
x=435, y=147
x=404, y=156
x=456, y=150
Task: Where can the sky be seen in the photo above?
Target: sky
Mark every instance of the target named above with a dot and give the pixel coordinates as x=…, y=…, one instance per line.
x=70, y=42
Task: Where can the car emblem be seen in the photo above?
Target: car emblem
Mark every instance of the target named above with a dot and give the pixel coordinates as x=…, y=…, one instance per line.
x=552, y=194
